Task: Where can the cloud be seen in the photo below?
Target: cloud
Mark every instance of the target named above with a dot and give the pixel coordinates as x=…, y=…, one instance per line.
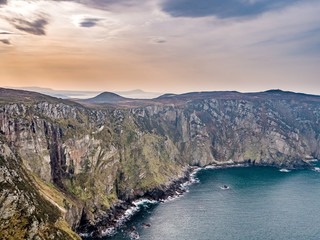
x=89, y=22
x=104, y=4
x=5, y=41
x=36, y=27
x=159, y=40
x=222, y=8
x=5, y=32
x=222, y=52
x=107, y=3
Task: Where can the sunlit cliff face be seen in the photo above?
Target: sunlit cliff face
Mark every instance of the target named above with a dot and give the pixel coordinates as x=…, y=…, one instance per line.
x=168, y=46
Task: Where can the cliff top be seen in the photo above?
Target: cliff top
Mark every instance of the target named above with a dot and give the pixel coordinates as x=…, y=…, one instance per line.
x=109, y=99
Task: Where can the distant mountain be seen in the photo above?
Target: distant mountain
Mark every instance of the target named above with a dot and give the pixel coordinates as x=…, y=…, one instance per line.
x=111, y=99
x=167, y=95
x=21, y=96
x=234, y=95
x=65, y=94
x=139, y=94
x=106, y=97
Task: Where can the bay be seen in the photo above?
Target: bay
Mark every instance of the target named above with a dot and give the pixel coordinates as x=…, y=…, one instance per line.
x=262, y=203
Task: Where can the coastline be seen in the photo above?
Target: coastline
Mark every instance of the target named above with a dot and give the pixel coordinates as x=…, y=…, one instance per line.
x=122, y=211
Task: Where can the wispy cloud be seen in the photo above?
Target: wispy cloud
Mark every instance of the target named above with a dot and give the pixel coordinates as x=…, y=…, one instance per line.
x=5, y=32
x=36, y=27
x=222, y=9
x=89, y=22
x=105, y=4
x=5, y=41
x=153, y=42
x=159, y=40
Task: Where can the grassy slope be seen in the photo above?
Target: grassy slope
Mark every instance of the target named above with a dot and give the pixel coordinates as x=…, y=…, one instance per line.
x=25, y=209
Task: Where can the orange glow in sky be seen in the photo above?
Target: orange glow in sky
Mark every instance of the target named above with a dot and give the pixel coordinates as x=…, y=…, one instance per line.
x=123, y=45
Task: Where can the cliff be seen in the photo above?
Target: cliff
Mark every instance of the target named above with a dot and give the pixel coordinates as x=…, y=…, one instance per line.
x=88, y=162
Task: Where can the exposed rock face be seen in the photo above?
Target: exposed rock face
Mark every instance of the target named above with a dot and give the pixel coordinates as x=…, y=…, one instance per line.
x=99, y=159
x=25, y=213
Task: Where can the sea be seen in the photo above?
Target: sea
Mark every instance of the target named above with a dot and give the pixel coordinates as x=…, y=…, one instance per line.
x=240, y=203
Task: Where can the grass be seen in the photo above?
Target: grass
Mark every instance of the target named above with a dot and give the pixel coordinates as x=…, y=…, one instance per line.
x=32, y=208
x=64, y=226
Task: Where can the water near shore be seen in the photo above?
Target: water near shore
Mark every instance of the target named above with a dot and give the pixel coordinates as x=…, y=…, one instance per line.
x=261, y=203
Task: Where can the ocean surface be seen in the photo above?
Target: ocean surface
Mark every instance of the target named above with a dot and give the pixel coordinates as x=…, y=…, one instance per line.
x=261, y=203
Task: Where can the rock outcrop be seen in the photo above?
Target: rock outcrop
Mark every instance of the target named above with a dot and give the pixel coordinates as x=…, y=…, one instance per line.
x=89, y=162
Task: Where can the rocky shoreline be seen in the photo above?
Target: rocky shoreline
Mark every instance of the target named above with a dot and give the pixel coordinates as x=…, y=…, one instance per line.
x=118, y=213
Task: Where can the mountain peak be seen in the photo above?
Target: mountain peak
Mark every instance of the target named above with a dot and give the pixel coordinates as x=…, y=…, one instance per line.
x=106, y=97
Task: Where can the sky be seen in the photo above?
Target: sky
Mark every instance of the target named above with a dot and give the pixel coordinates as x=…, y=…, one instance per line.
x=161, y=45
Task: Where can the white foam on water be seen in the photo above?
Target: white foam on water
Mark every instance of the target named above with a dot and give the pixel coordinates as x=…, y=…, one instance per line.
x=284, y=170
x=211, y=167
x=133, y=210
x=127, y=215
x=226, y=166
x=313, y=160
x=134, y=235
x=85, y=235
x=193, y=179
x=184, y=186
x=316, y=169
x=143, y=201
x=171, y=198
x=108, y=232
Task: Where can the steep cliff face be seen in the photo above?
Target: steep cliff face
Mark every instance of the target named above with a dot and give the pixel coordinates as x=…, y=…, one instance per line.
x=26, y=213
x=94, y=158
x=277, y=133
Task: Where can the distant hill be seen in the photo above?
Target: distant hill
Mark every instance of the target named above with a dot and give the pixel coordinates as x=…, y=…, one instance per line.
x=138, y=94
x=233, y=95
x=21, y=96
x=65, y=94
x=106, y=97
x=167, y=95
x=112, y=99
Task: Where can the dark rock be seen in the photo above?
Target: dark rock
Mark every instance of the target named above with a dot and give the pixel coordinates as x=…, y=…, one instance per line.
x=146, y=225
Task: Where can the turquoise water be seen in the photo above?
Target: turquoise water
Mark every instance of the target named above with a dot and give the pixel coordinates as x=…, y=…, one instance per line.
x=262, y=203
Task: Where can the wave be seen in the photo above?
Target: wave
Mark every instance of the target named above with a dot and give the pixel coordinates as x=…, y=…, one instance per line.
x=316, y=169
x=224, y=187
x=171, y=198
x=184, y=186
x=313, y=160
x=134, y=209
x=226, y=166
x=127, y=215
x=84, y=235
x=109, y=232
x=134, y=235
x=284, y=170
x=143, y=201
